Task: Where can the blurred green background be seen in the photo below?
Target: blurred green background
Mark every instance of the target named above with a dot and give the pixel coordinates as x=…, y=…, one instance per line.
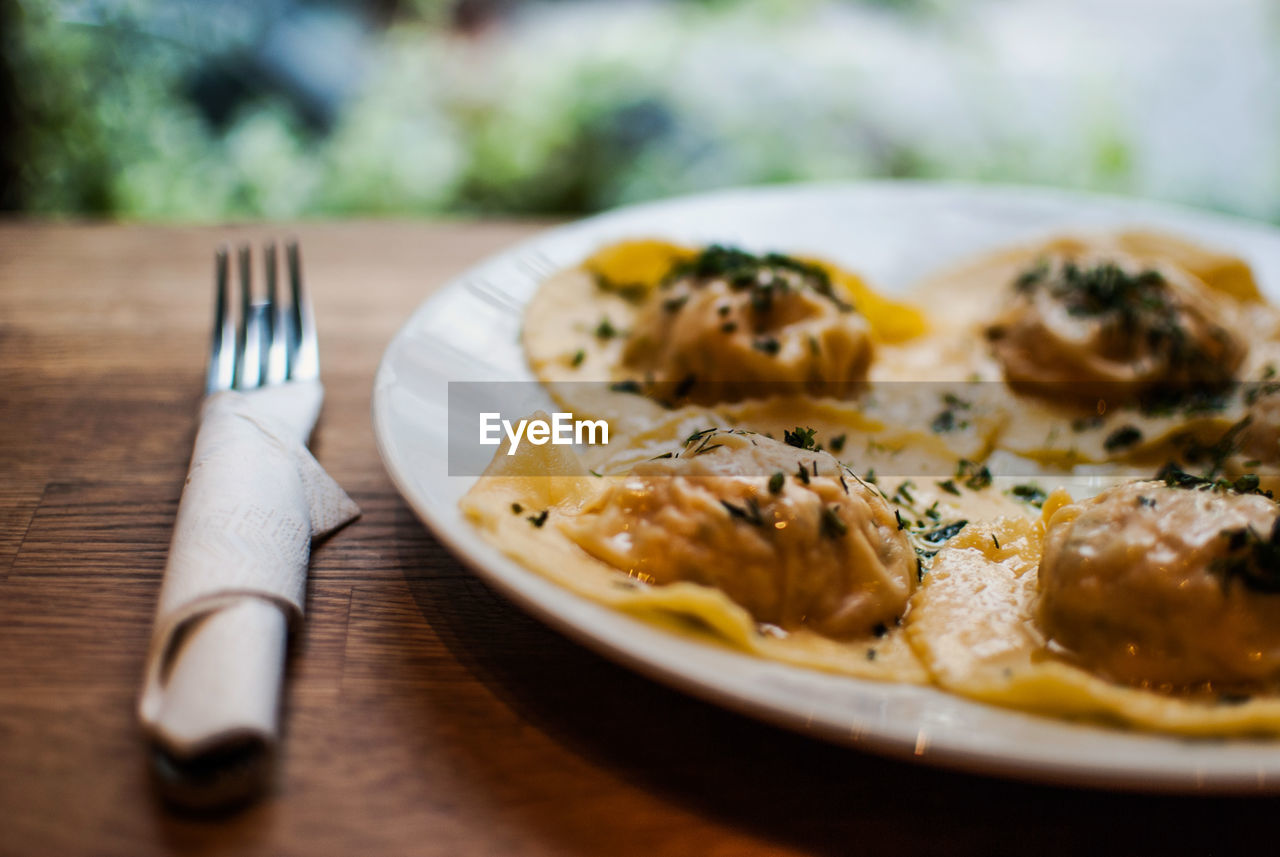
x=198, y=110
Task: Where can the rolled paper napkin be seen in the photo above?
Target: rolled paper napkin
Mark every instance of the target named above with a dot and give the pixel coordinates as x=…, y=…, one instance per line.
x=234, y=585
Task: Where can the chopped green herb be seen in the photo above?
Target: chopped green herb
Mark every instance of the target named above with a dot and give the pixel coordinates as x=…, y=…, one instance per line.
x=701, y=434
x=630, y=292
x=764, y=275
x=675, y=304
x=539, y=519
x=749, y=514
x=995, y=541
x=942, y=534
x=949, y=486
x=800, y=438
x=831, y=525
x=1251, y=558
x=950, y=419
x=628, y=386
x=943, y=422
x=1030, y=493
x=578, y=357
x=1176, y=478
x=605, y=329
x=1122, y=438
x=776, y=481
x=803, y=475
x=768, y=345
x=685, y=386
x=664, y=455
x=516, y=508
x=975, y=476
x=837, y=443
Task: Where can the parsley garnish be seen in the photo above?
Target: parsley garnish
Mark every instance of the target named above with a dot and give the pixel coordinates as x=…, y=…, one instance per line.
x=1176, y=478
x=976, y=477
x=831, y=525
x=605, y=329
x=1253, y=559
x=750, y=514
x=765, y=275
x=1122, y=438
x=942, y=534
x=776, y=481
x=1030, y=493
x=800, y=438
x=630, y=292
x=768, y=345
x=950, y=418
x=685, y=386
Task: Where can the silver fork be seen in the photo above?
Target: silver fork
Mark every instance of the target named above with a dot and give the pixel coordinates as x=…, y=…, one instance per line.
x=272, y=343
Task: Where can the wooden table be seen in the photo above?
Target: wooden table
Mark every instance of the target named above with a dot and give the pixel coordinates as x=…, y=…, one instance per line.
x=424, y=714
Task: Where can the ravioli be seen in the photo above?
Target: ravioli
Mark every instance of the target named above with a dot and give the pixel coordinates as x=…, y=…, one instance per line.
x=811, y=472
x=974, y=625
x=568, y=528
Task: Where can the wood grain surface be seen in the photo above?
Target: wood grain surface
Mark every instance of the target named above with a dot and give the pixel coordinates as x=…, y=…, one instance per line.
x=424, y=714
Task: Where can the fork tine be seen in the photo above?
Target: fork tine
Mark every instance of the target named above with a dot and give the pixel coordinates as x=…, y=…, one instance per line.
x=277, y=328
x=305, y=359
x=222, y=361
x=251, y=323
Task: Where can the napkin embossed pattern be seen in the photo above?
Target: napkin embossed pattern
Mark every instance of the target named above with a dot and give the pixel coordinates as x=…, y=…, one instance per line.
x=235, y=581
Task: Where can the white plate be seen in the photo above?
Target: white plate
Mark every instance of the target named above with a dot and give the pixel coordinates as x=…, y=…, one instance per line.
x=893, y=233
